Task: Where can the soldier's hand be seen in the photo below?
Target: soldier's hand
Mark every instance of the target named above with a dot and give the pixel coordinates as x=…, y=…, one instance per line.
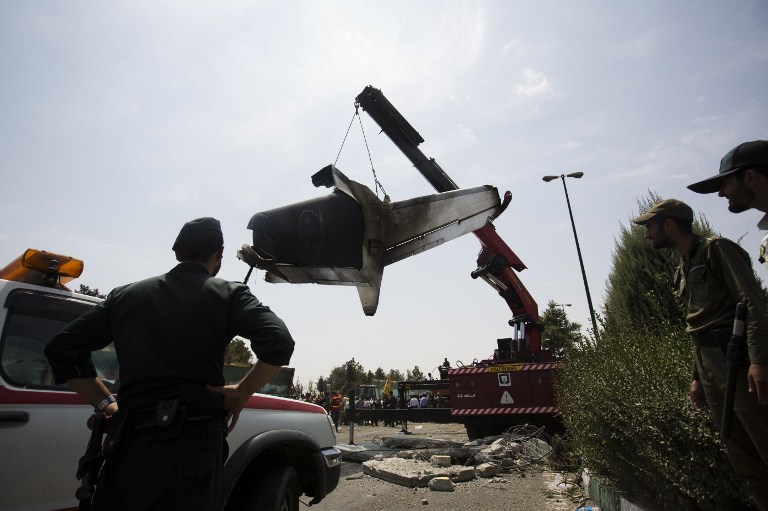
x=758, y=382
x=235, y=400
x=698, y=399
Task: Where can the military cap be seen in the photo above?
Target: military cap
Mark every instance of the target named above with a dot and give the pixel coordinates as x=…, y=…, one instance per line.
x=670, y=208
x=205, y=230
x=748, y=154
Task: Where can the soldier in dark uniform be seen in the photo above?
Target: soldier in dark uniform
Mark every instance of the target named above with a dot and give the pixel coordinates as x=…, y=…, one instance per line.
x=714, y=275
x=166, y=443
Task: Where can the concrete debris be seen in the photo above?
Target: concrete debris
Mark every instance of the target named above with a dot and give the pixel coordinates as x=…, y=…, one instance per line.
x=404, y=442
x=358, y=453
x=487, y=470
x=497, y=448
x=459, y=455
x=416, y=462
x=440, y=461
x=412, y=473
x=441, y=484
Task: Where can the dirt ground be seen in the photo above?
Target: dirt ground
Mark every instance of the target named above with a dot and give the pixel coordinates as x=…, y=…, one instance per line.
x=532, y=488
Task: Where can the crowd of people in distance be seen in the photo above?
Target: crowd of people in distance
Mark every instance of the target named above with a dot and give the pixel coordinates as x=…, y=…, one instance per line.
x=338, y=405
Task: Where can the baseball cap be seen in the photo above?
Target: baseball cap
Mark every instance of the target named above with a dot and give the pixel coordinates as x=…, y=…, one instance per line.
x=200, y=231
x=670, y=208
x=744, y=155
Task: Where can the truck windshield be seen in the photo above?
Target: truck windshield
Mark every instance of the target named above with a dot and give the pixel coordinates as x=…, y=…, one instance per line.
x=34, y=318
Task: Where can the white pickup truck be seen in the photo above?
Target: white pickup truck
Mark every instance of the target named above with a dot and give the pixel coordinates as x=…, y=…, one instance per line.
x=280, y=450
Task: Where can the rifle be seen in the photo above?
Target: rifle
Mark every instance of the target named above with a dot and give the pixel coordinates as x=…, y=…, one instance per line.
x=734, y=357
x=90, y=463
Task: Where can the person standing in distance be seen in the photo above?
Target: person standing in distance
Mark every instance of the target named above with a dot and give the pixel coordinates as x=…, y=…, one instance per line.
x=743, y=180
x=714, y=275
x=166, y=443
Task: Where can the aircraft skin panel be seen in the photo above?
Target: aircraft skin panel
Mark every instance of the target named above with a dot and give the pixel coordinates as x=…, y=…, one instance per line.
x=416, y=225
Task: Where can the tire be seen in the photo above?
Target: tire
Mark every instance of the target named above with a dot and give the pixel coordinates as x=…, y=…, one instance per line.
x=276, y=488
x=473, y=432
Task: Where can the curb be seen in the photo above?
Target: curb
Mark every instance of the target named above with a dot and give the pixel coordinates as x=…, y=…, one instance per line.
x=607, y=497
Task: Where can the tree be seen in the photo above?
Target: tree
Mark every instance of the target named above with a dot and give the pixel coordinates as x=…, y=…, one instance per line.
x=558, y=334
x=625, y=399
x=395, y=375
x=346, y=377
x=322, y=386
x=237, y=352
x=380, y=374
x=415, y=375
x=639, y=286
x=85, y=290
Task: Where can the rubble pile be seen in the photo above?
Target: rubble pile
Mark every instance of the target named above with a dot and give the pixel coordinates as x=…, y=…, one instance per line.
x=439, y=465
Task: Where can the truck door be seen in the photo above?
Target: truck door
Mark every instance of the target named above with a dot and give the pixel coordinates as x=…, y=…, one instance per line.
x=42, y=425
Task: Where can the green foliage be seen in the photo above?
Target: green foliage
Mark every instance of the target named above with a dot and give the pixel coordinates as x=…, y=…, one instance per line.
x=322, y=385
x=416, y=374
x=237, y=352
x=558, y=334
x=625, y=405
x=85, y=290
x=625, y=399
x=639, y=285
x=346, y=377
x=351, y=374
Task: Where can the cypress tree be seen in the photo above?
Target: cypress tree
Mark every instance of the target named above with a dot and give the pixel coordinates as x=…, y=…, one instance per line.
x=639, y=288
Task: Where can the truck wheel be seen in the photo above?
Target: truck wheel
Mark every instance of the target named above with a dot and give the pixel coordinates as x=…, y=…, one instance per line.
x=275, y=488
x=473, y=432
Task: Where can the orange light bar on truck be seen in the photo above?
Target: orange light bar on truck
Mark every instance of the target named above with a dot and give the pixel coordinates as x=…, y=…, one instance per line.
x=41, y=267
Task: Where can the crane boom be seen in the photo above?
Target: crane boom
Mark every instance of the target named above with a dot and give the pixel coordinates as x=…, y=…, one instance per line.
x=496, y=260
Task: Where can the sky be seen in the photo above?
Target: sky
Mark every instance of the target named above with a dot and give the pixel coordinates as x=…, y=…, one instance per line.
x=119, y=121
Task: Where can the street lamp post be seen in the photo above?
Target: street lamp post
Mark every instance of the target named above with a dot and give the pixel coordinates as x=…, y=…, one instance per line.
x=577, y=175
x=563, y=306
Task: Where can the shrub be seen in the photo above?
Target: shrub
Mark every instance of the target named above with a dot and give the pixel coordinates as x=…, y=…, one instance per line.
x=626, y=409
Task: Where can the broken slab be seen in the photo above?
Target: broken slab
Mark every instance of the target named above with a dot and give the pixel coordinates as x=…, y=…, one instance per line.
x=358, y=453
x=459, y=455
x=414, y=473
x=440, y=461
x=404, y=442
x=487, y=470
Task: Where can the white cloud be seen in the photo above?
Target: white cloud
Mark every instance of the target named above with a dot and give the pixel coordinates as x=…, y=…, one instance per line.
x=513, y=47
x=534, y=84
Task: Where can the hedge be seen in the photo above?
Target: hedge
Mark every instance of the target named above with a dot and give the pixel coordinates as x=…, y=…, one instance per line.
x=626, y=409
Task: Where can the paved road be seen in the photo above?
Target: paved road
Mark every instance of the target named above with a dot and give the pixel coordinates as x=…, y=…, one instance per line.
x=532, y=489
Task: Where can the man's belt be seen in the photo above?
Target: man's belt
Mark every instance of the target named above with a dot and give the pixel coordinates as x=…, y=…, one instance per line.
x=147, y=421
x=717, y=337
x=201, y=409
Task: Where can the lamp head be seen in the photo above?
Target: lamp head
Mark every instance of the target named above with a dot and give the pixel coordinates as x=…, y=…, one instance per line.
x=577, y=175
x=550, y=178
